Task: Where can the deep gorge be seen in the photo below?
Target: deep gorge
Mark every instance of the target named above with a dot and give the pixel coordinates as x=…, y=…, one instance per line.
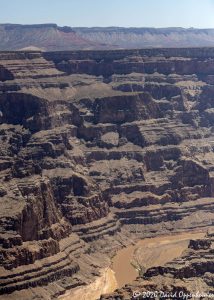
x=98, y=150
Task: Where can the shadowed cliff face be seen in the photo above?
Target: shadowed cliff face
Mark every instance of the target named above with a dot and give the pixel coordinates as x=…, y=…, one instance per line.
x=5, y=74
x=17, y=108
x=98, y=148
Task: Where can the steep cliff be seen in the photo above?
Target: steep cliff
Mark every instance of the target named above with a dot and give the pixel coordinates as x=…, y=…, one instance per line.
x=98, y=148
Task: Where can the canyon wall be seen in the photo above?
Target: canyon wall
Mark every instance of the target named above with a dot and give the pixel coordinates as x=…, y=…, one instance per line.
x=98, y=149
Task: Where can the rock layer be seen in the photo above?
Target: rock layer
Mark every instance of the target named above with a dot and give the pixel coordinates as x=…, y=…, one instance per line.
x=98, y=148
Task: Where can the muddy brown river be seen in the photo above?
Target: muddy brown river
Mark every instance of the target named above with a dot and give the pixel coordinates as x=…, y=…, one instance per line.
x=148, y=253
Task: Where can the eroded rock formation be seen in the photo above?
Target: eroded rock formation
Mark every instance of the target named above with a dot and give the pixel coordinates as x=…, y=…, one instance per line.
x=98, y=148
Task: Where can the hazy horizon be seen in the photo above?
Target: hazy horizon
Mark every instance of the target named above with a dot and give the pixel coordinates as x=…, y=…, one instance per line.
x=112, y=13
x=128, y=27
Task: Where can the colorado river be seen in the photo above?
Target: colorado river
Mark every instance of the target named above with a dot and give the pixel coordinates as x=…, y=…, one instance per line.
x=148, y=253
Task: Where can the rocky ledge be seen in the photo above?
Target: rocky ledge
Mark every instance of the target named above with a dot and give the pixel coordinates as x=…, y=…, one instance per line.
x=99, y=148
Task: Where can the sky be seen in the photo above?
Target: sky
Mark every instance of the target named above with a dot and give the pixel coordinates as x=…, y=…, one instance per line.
x=124, y=13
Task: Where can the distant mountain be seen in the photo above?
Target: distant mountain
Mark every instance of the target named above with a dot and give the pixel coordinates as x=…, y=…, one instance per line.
x=50, y=37
x=149, y=37
x=45, y=37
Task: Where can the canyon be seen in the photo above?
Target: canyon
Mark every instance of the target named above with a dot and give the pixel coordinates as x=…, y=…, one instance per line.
x=100, y=149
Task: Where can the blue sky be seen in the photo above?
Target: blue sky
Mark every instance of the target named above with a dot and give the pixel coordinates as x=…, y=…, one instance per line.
x=128, y=13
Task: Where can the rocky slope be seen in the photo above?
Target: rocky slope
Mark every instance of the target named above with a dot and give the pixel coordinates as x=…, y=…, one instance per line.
x=99, y=148
x=50, y=37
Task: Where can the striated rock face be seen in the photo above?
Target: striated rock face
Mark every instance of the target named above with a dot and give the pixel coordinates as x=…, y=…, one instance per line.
x=99, y=148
